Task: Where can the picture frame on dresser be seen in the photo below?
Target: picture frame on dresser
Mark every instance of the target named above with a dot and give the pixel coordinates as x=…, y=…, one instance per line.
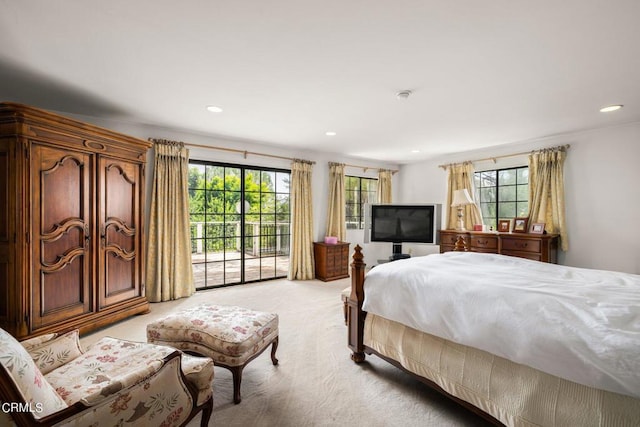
x=537, y=228
x=520, y=225
x=504, y=225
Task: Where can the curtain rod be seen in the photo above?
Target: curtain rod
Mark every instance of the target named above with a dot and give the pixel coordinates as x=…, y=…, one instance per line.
x=366, y=168
x=245, y=153
x=494, y=158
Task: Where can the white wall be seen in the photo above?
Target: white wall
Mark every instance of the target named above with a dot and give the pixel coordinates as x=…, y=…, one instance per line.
x=602, y=174
x=603, y=209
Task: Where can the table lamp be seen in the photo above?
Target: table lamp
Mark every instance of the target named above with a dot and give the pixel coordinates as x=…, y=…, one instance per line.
x=461, y=198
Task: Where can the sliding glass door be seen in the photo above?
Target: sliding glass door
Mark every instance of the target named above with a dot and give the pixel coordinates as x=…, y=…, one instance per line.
x=240, y=223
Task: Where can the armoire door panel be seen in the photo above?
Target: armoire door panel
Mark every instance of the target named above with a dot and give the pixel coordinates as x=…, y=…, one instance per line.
x=61, y=233
x=4, y=193
x=119, y=234
x=5, y=205
x=63, y=189
x=119, y=278
x=120, y=259
x=66, y=238
x=57, y=300
x=4, y=282
x=121, y=180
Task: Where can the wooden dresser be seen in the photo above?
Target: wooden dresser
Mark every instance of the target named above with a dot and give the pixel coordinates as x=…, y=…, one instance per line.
x=538, y=247
x=71, y=223
x=332, y=261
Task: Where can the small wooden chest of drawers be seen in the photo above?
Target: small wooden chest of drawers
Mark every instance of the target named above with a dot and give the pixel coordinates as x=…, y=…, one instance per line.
x=332, y=260
x=538, y=247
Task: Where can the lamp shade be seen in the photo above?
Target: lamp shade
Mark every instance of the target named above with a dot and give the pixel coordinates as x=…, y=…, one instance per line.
x=461, y=198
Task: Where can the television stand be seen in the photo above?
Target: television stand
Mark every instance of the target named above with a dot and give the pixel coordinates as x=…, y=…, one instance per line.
x=397, y=253
x=396, y=257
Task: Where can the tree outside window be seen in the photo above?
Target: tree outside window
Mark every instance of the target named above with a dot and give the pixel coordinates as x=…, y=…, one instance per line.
x=502, y=194
x=359, y=191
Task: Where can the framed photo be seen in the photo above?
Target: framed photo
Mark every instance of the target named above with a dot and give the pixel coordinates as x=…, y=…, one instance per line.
x=504, y=225
x=520, y=225
x=537, y=228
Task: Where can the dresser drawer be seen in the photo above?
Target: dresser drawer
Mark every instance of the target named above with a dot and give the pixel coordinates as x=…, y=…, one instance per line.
x=446, y=248
x=489, y=243
x=330, y=262
x=528, y=255
x=448, y=240
x=524, y=245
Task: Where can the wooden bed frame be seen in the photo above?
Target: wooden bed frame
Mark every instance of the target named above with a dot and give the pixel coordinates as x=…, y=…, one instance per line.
x=355, y=326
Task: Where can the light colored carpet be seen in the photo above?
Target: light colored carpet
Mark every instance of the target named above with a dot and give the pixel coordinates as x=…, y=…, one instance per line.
x=315, y=383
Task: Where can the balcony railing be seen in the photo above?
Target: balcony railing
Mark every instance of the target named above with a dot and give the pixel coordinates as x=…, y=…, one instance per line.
x=261, y=238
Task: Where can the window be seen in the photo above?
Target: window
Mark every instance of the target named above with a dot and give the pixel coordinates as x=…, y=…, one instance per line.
x=240, y=223
x=358, y=192
x=502, y=194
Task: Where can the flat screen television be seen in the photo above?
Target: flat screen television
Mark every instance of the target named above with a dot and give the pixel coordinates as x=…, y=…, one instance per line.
x=405, y=224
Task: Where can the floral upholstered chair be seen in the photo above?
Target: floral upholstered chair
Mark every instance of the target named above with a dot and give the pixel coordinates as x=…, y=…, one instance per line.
x=49, y=380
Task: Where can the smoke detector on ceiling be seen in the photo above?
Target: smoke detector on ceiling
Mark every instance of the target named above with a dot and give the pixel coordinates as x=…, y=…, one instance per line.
x=403, y=94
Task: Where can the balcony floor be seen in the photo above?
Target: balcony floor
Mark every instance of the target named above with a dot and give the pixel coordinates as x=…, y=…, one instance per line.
x=225, y=268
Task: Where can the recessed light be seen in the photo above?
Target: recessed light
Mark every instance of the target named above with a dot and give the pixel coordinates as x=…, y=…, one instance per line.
x=330, y=133
x=610, y=108
x=415, y=151
x=403, y=94
x=214, y=109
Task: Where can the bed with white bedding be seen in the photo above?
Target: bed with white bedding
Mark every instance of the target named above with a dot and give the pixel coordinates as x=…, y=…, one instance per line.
x=527, y=343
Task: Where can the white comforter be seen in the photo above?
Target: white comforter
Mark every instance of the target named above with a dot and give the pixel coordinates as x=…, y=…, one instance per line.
x=579, y=324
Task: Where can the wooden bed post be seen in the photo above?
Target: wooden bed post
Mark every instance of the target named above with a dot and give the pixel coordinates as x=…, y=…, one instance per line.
x=355, y=315
x=461, y=245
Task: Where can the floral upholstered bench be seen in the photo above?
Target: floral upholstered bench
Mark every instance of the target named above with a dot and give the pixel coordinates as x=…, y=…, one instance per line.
x=231, y=336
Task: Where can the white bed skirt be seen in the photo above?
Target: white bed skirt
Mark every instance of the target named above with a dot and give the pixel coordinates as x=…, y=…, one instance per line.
x=515, y=394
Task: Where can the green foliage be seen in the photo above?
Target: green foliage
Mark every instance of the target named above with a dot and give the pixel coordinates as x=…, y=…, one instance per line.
x=215, y=199
x=219, y=195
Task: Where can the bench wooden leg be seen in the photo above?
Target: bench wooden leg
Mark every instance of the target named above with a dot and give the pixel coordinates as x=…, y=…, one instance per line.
x=274, y=347
x=236, y=372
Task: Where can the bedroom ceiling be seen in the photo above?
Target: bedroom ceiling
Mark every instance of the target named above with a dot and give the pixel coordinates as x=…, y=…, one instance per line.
x=285, y=72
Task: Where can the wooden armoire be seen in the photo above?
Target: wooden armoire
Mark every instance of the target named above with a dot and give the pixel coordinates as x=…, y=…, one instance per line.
x=71, y=223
